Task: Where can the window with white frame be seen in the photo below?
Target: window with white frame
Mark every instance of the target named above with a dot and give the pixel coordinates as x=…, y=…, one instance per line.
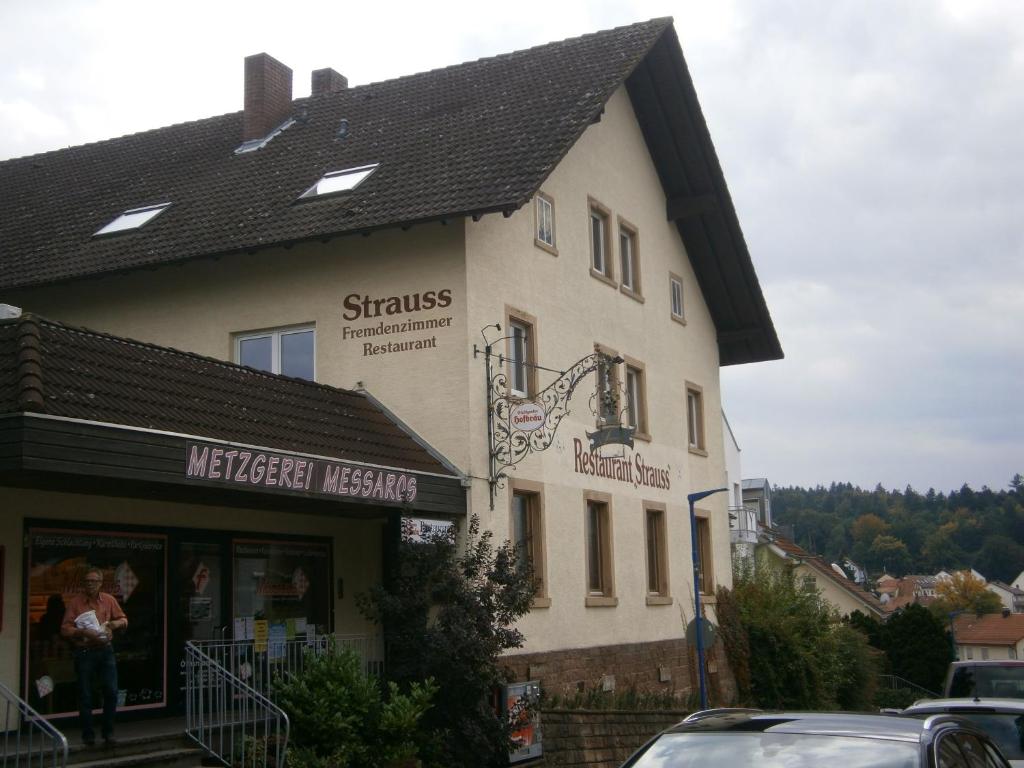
x=520, y=357
x=629, y=265
x=544, y=211
x=287, y=351
x=600, y=263
x=132, y=219
x=675, y=284
x=695, y=417
x=636, y=397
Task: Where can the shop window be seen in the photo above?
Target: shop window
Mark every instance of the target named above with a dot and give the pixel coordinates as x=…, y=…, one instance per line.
x=695, y=419
x=528, y=533
x=657, y=552
x=629, y=264
x=287, y=351
x=675, y=287
x=636, y=398
x=600, y=261
x=283, y=583
x=607, y=396
x=600, y=586
x=521, y=354
x=704, y=563
x=544, y=220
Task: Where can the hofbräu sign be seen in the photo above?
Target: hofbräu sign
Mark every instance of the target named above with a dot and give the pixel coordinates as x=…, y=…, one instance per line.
x=251, y=468
x=636, y=471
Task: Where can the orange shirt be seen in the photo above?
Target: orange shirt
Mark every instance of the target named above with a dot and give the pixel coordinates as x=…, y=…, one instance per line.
x=107, y=609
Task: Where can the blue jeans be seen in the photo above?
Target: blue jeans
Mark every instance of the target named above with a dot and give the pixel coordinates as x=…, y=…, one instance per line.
x=91, y=663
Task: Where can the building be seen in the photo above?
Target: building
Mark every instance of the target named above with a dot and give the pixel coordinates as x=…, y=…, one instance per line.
x=1011, y=597
x=989, y=636
x=459, y=252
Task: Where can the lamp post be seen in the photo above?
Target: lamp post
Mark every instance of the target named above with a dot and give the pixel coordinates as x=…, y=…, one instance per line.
x=693, y=498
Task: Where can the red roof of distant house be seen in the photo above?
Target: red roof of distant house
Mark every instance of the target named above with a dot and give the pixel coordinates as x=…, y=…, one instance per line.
x=794, y=550
x=990, y=629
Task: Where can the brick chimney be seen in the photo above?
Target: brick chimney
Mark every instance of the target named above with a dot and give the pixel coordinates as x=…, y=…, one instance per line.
x=328, y=81
x=268, y=95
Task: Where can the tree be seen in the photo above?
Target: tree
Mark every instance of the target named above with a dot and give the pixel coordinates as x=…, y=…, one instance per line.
x=917, y=646
x=1000, y=557
x=448, y=613
x=889, y=554
x=963, y=591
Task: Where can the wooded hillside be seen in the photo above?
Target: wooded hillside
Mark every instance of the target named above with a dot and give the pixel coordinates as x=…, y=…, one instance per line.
x=905, y=532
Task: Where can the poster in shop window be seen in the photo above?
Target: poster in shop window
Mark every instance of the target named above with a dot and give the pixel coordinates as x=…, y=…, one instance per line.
x=134, y=566
x=275, y=581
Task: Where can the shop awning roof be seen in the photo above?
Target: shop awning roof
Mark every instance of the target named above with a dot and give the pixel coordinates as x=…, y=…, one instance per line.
x=51, y=369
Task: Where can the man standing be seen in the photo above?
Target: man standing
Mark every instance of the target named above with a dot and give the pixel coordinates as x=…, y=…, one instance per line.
x=94, y=655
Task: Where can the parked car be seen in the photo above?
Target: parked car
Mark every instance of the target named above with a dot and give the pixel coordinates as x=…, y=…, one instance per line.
x=993, y=678
x=1002, y=719
x=809, y=740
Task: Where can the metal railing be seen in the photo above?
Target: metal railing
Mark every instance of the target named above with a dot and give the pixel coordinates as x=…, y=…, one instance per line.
x=229, y=718
x=28, y=738
x=743, y=524
x=897, y=683
x=257, y=666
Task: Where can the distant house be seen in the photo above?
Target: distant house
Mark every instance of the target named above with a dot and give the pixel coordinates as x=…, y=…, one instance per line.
x=989, y=636
x=1011, y=596
x=757, y=492
x=913, y=589
x=839, y=591
x=1019, y=581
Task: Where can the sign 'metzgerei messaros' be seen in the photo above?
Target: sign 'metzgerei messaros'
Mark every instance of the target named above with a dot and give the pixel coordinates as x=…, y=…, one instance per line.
x=236, y=466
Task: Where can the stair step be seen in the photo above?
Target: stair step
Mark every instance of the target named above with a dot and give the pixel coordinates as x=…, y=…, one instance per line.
x=180, y=757
x=79, y=754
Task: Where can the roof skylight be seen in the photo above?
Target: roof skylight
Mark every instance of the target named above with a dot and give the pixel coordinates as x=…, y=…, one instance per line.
x=339, y=181
x=133, y=218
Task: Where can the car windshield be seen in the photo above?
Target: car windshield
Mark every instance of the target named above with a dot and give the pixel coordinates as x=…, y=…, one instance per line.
x=1006, y=730
x=776, y=750
x=988, y=681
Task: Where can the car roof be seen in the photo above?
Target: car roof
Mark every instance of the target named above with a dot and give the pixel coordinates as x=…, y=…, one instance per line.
x=810, y=723
x=963, y=704
x=988, y=663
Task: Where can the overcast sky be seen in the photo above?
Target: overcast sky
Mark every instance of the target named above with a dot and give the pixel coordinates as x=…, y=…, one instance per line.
x=873, y=151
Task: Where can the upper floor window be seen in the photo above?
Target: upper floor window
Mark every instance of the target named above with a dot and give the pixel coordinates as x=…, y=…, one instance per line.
x=334, y=182
x=521, y=356
x=675, y=285
x=695, y=418
x=287, y=351
x=600, y=261
x=629, y=265
x=607, y=388
x=636, y=398
x=131, y=219
x=544, y=219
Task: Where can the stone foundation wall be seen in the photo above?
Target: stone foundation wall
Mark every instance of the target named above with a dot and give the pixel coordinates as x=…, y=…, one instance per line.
x=590, y=739
x=665, y=667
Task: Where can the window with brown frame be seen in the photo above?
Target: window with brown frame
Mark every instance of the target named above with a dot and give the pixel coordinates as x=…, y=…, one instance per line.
x=695, y=418
x=657, y=553
x=528, y=532
x=704, y=563
x=675, y=290
x=521, y=354
x=599, y=549
x=636, y=398
x=607, y=389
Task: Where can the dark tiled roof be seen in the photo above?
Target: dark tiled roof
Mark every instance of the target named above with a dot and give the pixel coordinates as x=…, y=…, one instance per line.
x=818, y=564
x=471, y=138
x=50, y=368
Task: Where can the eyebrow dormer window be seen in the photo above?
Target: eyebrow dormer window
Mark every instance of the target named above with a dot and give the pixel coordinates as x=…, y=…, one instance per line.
x=339, y=181
x=131, y=219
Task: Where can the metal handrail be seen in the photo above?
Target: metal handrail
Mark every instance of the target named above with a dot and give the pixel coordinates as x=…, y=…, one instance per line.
x=897, y=683
x=42, y=745
x=230, y=719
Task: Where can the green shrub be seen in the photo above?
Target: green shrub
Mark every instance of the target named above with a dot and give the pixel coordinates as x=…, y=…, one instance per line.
x=340, y=717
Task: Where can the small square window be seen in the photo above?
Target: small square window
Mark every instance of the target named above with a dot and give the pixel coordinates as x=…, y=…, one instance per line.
x=675, y=284
x=695, y=418
x=629, y=264
x=544, y=232
x=286, y=351
x=131, y=219
x=335, y=182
